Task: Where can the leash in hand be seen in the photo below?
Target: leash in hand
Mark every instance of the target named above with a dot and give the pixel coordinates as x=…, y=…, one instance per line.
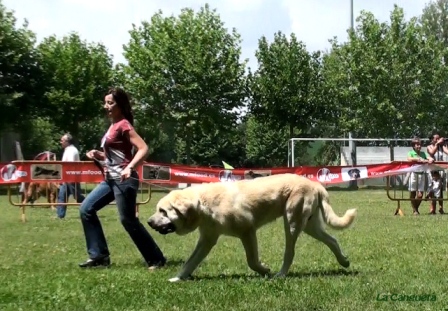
x=99, y=164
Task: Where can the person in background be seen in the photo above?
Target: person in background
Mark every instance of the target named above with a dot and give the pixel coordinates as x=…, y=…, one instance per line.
x=121, y=184
x=417, y=182
x=435, y=192
x=437, y=149
x=71, y=154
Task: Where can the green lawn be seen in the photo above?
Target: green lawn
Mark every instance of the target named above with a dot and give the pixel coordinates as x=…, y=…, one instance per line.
x=389, y=255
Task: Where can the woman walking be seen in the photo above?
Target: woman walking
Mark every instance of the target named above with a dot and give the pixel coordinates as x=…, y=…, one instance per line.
x=121, y=184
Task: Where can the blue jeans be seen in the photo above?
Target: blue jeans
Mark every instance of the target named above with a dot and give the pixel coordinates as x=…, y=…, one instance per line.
x=125, y=195
x=64, y=192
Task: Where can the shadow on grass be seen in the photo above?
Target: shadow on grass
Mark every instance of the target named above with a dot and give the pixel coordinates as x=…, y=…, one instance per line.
x=328, y=273
x=295, y=275
x=137, y=263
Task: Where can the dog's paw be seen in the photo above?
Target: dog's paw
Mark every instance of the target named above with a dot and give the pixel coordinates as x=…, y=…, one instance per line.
x=267, y=274
x=279, y=275
x=263, y=271
x=344, y=262
x=175, y=279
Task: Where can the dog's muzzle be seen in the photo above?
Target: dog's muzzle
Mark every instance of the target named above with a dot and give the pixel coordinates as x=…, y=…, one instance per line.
x=164, y=229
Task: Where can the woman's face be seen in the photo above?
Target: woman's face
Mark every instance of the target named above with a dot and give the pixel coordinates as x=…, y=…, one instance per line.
x=435, y=138
x=111, y=106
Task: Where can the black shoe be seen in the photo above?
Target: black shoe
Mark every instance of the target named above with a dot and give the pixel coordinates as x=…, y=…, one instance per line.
x=100, y=262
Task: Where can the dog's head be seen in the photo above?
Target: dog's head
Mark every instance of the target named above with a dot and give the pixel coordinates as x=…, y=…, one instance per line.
x=354, y=173
x=176, y=212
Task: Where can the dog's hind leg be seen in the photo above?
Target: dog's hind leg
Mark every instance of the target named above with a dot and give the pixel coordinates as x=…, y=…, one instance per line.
x=51, y=197
x=294, y=224
x=315, y=229
x=250, y=244
x=202, y=249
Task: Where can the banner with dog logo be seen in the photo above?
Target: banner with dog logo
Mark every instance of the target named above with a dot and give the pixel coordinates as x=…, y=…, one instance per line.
x=58, y=171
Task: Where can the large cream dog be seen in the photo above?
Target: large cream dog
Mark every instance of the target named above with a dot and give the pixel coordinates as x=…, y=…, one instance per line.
x=239, y=208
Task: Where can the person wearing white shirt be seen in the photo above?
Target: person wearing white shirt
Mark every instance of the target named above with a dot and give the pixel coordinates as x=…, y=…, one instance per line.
x=71, y=154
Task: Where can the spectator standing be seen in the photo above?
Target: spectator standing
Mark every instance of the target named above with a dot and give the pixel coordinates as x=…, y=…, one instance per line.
x=417, y=182
x=436, y=147
x=435, y=192
x=71, y=154
x=437, y=150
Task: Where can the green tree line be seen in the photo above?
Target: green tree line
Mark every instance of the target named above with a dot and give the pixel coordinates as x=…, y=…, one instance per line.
x=197, y=101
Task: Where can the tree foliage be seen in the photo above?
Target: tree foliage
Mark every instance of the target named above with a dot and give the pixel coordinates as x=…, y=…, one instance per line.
x=435, y=20
x=19, y=71
x=186, y=71
x=266, y=146
x=285, y=88
x=76, y=75
x=388, y=80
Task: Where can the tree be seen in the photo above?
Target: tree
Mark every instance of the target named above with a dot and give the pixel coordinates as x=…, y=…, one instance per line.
x=435, y=20
x=77, y=75
x=266, y=146
x=19, y=73
x=220, y=145
x=285, y=88
x=388, y=80
x=40, y=135
x=186, y=71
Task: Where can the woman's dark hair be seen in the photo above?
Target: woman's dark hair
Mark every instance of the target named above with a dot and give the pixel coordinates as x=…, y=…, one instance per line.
x=123, y=102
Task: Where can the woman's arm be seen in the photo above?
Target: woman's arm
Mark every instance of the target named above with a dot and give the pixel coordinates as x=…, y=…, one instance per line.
x=99, y=155
x=419, y=159
x=142, y=148
x=95, y=154
x=413, y=159
x=431, y=149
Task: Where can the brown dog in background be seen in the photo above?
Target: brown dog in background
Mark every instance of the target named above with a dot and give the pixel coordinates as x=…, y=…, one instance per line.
x=34, y=190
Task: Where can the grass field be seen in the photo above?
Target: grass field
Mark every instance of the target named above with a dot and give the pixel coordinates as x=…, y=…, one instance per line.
x=389, y=255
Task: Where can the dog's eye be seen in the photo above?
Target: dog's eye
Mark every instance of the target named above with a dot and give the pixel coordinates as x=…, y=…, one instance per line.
x=163, y=212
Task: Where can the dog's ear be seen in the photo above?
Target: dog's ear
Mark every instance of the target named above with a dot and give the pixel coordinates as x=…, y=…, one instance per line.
x=183, y=204
x=187, y=209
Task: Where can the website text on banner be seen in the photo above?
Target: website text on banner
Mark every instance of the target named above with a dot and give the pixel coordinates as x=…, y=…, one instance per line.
x=57, y=171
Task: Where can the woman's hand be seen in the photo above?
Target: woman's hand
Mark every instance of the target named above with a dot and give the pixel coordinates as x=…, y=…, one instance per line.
x=126, y=173
x=422, y=160
x=92, y=154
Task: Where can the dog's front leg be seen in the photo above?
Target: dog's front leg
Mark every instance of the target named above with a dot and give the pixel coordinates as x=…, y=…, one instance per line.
x=202, y=249
x=250, y=244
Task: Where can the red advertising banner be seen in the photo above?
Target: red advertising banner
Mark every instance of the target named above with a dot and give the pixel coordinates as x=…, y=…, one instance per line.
x=58, y=171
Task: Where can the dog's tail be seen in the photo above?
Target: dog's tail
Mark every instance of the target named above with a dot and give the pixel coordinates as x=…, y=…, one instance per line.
x=330, y=216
